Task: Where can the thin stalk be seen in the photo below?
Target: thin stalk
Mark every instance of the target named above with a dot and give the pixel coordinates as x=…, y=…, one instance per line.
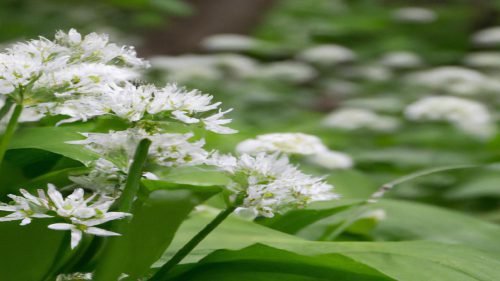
x=162, y=273
x=111, y=253
x=361, y=207
x=9, y=131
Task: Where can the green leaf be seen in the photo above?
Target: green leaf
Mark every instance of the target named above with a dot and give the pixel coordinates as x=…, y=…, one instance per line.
x=53, y=139
x=260, y=262
x=403, y=221
x=405, y=261
x=28, y=251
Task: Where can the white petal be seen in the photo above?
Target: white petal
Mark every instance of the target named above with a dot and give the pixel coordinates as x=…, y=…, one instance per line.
x=25, y=221
x=61, y=226
x=76, y=236
x=101, y=232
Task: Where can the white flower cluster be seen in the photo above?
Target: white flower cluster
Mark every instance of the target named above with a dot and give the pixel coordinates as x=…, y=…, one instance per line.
x=468, y=115
x=167, y=149
x=296, y=143
x=270, y=184
x=489, y=37
x=134, y=102
x=229, y=42
x=357, y=118
x=414, y=15
x=66, y=76
x=329, y=54
x=454, y=80
x=401, y=60
x=483, y=60
x=206, y=67
x=81, y=214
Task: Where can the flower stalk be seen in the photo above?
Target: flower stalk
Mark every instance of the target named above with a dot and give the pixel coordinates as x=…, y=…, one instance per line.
x=10, y=130
x=111, y=248
x=162, y=273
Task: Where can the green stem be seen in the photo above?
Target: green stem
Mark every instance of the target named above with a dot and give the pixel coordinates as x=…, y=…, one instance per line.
x=162, y=273
x=112, y=247
x=361, y=207
x=6, y=108
x=9, y=131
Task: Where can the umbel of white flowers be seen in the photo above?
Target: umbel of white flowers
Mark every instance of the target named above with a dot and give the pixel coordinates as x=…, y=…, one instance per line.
x=470, y=116
x=82, y=214
x=270, y=183
x=297, y=143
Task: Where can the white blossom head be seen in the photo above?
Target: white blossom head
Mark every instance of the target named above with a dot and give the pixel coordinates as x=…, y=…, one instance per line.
x=229, y=42
x=81, y=213
x=489, y=37
x=414, y=15
x=358, y=118
x=454, y=80
x=289, y=143
x=287, y=71
x=401, y=60
x=270, y=184
x=328, y=54
x=331, y=160
x=468, y=115
x=488, y=60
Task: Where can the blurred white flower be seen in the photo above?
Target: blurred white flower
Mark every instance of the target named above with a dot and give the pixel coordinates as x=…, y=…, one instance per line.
x=329, y=54
x=468, y=115
x=483, y=60
x=271, y=184
x=187, y=67
x=290, y=143
x=401, y=59
x=357, y=118
x=378, y=73
x=331, y=160
x=288, y=71
x=414, y=15
x=454, y=80
x=488, y=37
x=229, y=42
x=78, y=276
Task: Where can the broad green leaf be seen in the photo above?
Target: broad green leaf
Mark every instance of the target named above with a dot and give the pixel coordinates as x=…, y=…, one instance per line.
x=405, y=261
x=260, y=262
x=27, y=251
x=53, y=139
x=403, y=220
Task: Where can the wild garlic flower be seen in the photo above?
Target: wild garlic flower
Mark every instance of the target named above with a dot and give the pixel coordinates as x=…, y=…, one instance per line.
x=270, y=183
x=229, y=42
x=414, y=15
x=454, y=80
x=82, y=214
x=296, y=143
x=77, y=276
x=104, y=177
x=488, y=37
x=401, y=59
x=357, y=118
x=465, y=114
x=66, y=76
x=331, y=160
x=483, y=60
x=329, y=54
x=132, y=103
x=166, y=149
x=290, y=143
x=287, y=71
